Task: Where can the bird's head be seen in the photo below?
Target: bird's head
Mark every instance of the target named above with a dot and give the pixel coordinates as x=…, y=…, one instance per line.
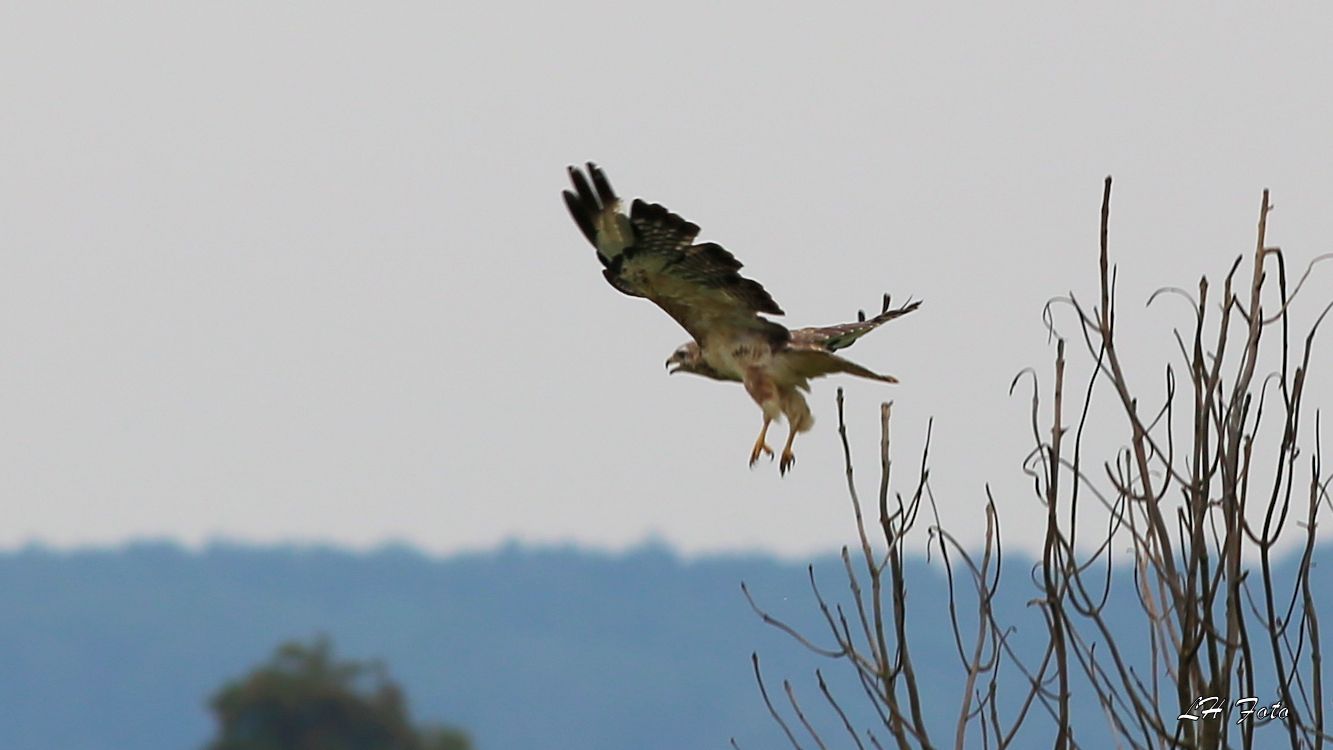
x=687, y=358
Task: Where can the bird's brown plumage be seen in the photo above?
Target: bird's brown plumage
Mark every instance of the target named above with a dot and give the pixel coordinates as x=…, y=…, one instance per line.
x=651, y=253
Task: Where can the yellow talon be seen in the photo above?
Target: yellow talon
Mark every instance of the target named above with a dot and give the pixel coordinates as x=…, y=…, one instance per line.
x=788, y=458
x=760, y=447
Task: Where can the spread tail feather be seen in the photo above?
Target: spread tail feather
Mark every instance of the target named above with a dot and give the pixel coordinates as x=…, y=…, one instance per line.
x=851, y=368
x=818, y=363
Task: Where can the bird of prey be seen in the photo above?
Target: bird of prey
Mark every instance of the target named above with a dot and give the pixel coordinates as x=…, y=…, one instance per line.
x=650, y=252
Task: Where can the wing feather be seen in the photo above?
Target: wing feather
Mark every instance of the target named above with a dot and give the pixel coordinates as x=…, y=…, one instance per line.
x=651, y=253
x=843, y=335
x=583, y=207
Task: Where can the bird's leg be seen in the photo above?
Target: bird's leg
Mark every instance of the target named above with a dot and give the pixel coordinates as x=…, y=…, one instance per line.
x=788, y=458
x=759, y=445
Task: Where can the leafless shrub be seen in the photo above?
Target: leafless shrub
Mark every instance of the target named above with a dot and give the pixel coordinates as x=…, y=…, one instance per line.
x=1203, y=499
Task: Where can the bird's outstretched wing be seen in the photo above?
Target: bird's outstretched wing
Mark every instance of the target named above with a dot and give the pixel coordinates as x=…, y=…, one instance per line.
x=843, y=335
x=650, y=252
x=810, y=351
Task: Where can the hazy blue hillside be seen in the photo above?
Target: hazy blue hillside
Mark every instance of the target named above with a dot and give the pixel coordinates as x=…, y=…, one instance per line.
x=524, y=648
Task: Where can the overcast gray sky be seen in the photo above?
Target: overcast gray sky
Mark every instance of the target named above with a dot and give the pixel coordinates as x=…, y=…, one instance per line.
x=301, y=271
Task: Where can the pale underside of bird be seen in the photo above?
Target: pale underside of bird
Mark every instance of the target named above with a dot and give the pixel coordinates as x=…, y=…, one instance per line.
x=651, y=253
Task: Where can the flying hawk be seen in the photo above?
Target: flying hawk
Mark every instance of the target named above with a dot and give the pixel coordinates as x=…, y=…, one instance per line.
x=651, y=253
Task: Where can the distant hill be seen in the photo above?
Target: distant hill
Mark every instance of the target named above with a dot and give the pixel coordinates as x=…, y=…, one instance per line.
x=524, y=648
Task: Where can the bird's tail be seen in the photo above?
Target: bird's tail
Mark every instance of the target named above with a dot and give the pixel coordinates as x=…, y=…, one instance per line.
x=851, y=368
x=817, y=364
